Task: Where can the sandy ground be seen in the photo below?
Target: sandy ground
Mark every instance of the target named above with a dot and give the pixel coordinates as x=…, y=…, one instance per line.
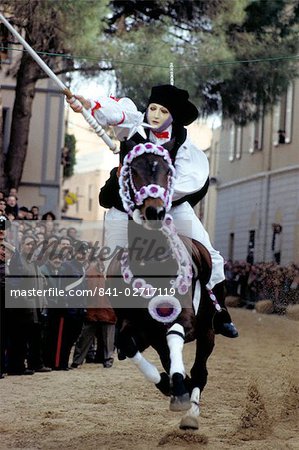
x=250, y=402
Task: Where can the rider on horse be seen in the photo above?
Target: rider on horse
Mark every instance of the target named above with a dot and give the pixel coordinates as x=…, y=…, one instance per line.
x=169, y=111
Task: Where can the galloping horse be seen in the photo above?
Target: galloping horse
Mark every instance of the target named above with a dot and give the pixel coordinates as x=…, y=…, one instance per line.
x=159, y=283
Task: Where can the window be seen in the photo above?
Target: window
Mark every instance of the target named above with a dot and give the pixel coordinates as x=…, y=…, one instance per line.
x=276, y=242
x=250, y=248
x=236, y=138
x=283, y=118
x=256, y=135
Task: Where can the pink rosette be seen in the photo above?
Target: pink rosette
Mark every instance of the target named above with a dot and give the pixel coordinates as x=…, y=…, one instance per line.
x=138, y=283
x=164, y=309
x=127, y=275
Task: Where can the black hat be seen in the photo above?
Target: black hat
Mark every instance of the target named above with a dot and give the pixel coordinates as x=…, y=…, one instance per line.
x=176, y=101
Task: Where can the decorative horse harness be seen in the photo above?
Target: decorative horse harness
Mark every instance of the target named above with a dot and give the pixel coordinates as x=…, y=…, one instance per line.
x=158, y=304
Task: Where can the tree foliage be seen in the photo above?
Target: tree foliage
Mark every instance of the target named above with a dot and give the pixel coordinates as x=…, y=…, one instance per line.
x=69, y=155
x=206, y=41
x=52, y=27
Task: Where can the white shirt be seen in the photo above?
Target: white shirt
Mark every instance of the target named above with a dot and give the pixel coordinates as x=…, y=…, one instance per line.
x=191, y=163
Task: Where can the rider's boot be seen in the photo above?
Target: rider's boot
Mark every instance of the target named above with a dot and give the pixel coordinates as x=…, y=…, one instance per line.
x=222, y=322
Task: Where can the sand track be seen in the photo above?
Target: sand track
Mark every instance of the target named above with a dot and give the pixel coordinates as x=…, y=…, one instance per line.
x=251, y=400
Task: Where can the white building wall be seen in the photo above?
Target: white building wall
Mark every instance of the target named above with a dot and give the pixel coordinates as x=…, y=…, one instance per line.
x=284, y=205
x=255, y=205
x=238, y=211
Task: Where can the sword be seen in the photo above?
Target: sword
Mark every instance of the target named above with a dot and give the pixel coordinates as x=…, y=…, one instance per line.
x=87, y=116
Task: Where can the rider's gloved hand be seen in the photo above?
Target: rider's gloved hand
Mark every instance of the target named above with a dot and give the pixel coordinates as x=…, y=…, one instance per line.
x=77, y=108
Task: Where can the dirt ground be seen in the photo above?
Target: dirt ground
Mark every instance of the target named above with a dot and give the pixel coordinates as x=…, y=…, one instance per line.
x=251, y=400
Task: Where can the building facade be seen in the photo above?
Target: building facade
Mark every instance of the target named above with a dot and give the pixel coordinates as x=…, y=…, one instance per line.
x=257, y=181
x=41, y=179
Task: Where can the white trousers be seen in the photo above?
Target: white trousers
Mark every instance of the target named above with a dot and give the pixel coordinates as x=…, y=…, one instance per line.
x=186, y=223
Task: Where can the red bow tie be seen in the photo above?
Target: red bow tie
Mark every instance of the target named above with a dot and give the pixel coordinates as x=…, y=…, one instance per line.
x=162, y=135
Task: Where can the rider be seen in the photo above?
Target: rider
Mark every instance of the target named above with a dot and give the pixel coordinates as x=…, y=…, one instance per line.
x=168, y=112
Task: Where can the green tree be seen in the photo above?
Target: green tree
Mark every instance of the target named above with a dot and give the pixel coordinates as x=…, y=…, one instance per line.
x=138, y=39
x=69, y=155
x=205, y=41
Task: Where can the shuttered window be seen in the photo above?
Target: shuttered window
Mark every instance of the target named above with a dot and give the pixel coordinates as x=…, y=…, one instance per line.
x=283, y=118
x=256, y=135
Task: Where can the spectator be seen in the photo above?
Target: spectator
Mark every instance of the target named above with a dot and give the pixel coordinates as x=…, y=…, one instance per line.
x=55, y=310
x=266, y=281
x=72, y=233
x=35, y=212
x=99, y=322
x=22, y=213
x=2, y=206
x=12, y=205
x=65, y=247
x=3, y=337
x=71, y=323
x=25, y=324
x=49, y=216
x=13, y=191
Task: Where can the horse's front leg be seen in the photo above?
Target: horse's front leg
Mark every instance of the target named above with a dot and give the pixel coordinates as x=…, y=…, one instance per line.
x=180, y=399
x=129, y=348
x=199, y=375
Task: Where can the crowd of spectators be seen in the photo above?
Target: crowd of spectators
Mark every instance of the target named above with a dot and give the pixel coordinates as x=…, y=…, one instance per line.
x=40, y=336
x=38, y=332
x=267, y=280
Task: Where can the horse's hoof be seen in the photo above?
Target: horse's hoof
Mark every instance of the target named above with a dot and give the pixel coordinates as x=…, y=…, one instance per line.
x=189, y=423
x=180, y=403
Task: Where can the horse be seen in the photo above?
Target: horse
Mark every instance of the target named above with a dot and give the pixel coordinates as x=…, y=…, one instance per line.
x=157, y=284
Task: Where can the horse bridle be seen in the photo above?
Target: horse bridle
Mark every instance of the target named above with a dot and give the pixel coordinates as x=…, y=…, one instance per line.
x=127, y=185
x=183, y=279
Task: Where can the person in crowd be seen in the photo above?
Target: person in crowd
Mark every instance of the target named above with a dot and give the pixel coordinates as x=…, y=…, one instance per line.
x=49, y=216
x=13, y=191
x=99, y=321
x=6, y=252
x=25, y=323
x=2, y=206
x=3, y=334
x=72, y=233
x=70, y=325
x=22, y=213
x=5, y=255
x=53, y=273
x=35, y=212
x=12, y=205
x=40, y=237
x=168, y=112
x=64, y=245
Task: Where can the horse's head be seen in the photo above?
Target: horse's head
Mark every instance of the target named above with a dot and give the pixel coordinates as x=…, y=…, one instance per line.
x=146, y=184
